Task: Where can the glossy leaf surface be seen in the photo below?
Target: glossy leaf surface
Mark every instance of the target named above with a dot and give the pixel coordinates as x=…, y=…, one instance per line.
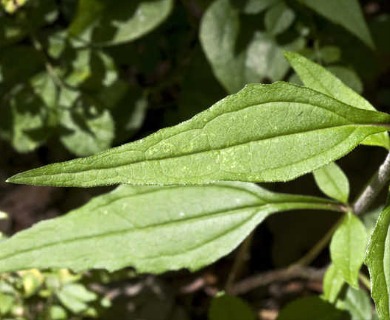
x=263, y=133
x=347, y=248
x=378, y=263
x=153, y=229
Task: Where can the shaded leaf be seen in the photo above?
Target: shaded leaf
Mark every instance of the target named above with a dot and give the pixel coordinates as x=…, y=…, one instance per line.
x=378, y=263
x=108, y=23
x=347, y=248
x=230, y=308
x=278, y=18
x=240, y=55
x=88, y=129
x=256, y=6
x=346, y=13
x=311, y=308
x=154, y=229
x=332, y=182
x=318, y=78
x=263, y=133
x=357, y=303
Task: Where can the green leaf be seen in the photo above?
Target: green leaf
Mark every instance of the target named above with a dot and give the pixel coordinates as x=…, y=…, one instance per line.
x=346, y=13
x=309, y=309
x=109, y=23
x=332, y=182
x=230, y=308
x=378, y=263
x=318, y=78
x=278, y=18
x=357, y=303
x=154, y=229
x=256, y=6
x=238, y=53
x=75, y=297
x=263, y=133
x=333, y=283
x=347, y=248
x=87, y=130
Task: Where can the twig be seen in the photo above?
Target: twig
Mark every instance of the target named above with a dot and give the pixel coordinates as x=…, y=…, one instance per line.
x=240, y=259
x=377, y=182
x=313, y=253
x=280, y=275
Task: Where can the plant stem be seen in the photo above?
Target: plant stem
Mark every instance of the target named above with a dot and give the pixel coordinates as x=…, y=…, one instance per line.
x=308, y=258
x=239, y=261
x=365, y=281
x=377, y=182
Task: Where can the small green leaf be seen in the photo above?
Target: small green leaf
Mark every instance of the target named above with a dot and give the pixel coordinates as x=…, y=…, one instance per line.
x=263, y=133
x=318, y=78
x=75, y=297
x=357, y=303
x=333, y=283
x=346, y=13
x=332, y=182
x=378, y=263
x=230, y=308
x=278, y=18
x=309, y=309
x=347, y=248
x=154, y=229
x=109, y=23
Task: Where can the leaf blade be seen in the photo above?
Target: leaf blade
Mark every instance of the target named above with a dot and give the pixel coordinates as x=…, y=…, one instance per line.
x=318, y=78
x=346, y=13
x=153, y=229
x=347, y=248
x=332, y=181
x=377, y=261
x=261, y=143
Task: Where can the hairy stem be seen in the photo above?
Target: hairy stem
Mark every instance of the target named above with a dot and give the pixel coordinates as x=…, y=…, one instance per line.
x=377, y=182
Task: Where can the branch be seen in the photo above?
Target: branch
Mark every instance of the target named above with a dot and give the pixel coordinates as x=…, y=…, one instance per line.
x=377, y=182
x=280, y=275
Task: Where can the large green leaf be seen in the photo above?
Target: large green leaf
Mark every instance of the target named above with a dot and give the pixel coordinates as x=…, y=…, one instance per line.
x=347, y=248
x=113, y=22
x=240, y=54
x=153, y=229
x=378, y=263
x=263, y=133
x=333, y=182
x=318, y=78
x=346, y=13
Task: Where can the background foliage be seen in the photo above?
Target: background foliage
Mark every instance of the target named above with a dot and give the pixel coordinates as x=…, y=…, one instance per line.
x=77, y=77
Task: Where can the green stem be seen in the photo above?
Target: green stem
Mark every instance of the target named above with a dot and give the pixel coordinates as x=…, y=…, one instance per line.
x=239, y=261
x=313, y=253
